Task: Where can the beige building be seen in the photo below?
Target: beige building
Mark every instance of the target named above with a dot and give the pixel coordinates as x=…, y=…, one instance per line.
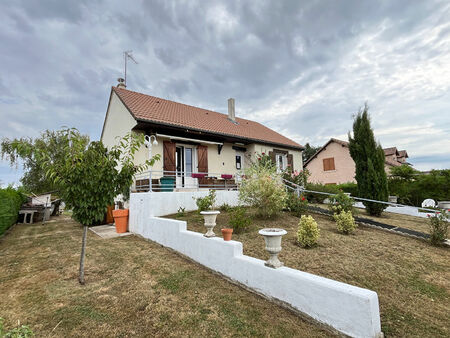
x=332, y=164
x=196, y=145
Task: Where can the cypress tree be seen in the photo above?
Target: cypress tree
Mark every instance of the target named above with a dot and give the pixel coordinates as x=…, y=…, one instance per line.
x=369, y=161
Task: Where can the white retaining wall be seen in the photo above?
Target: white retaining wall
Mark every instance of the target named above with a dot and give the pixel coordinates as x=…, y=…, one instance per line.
x=349, y=309
x=166, y=203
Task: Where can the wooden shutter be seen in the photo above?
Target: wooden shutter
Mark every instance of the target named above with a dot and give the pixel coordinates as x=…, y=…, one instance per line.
x=328, y=164
x=169, y=164
x=202, y=154
x=290, y=162
x=272, y=156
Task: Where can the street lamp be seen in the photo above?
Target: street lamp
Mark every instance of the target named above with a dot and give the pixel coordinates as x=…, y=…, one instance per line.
x=149, y=144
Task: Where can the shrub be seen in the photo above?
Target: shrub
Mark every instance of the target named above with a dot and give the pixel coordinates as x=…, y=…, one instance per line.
x=263, y=189
x=207, y=202
x=341, y=202
x=10, y=202
x=297, y=177
x=318, y=198
x=438, y=227
x=308, y=232
x=297, y=205
x=225, y=207
x=239, y=220
x=349, y=187
x=345, y=222
x=181, y=212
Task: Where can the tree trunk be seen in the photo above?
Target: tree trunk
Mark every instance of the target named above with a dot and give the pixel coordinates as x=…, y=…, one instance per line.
x=83, y=251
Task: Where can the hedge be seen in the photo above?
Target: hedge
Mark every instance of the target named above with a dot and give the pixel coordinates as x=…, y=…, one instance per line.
x=10, y=202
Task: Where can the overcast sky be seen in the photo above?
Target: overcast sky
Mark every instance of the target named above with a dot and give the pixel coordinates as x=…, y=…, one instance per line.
x=302, y=68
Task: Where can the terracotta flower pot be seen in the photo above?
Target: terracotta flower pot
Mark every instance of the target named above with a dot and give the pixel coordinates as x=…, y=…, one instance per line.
x=226, y=233
x=121, y=220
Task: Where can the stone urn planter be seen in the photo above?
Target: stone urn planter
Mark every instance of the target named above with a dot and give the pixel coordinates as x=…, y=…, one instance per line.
x=210, y=221
x=444, y=205
x=272, y=237
x=393, y=199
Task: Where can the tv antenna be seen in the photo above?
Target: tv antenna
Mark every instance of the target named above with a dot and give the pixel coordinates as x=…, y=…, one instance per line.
x=127, y=55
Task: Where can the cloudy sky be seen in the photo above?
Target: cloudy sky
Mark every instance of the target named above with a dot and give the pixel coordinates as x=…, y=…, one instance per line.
x=301, y=67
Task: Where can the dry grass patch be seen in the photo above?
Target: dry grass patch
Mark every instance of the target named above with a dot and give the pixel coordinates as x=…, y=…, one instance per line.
x=411, y=277
x=133, y=288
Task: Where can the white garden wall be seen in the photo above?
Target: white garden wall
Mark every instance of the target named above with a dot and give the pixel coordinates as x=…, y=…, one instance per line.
x=167, y=203
x=351, y=310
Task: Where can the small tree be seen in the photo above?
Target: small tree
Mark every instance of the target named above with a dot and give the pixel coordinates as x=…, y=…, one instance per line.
x=88, y=176
x=369, y=161
x=308, y=152
x=29, y=152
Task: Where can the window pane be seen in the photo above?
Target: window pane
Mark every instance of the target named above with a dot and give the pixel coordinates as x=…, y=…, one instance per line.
x=188, y=161
x=238, y=162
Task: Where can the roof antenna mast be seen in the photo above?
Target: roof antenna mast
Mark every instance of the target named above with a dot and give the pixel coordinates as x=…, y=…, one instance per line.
x=127, y=55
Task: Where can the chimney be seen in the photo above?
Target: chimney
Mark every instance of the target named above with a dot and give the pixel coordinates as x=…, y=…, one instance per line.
x=121, y=83
x=231, y=113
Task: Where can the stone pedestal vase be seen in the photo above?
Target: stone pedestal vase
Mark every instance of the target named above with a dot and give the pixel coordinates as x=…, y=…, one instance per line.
x=272, y=237
x=210, y=221
x=393, y=199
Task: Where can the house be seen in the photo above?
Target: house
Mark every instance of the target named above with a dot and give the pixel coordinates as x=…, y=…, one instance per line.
x=195, y=144
x=332, y=164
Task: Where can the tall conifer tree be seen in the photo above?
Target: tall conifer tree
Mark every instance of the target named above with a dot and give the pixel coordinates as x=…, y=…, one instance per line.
x=369, y=161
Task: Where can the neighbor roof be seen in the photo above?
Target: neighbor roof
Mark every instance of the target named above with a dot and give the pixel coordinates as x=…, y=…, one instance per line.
x=387, y=151
x=390, y=151
x=403, y=153
x=156, y=110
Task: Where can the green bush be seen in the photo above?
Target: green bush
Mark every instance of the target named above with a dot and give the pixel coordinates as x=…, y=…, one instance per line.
x=263, y=189
x=10, y=202
x=345, y=222
x=308, y=232
x=318, y=198
x=438, y=227
x=349, y=187
x=23, y=331
x=412, y=187
x=239, y=220
x=225, y=207
x=207, y=202
x=297, y=205
x=341, y=202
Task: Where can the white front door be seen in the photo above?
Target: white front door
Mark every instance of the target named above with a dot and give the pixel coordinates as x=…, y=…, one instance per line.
x=185, y=157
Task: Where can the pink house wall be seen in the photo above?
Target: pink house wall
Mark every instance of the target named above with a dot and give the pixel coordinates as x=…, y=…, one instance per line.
x=344, y=166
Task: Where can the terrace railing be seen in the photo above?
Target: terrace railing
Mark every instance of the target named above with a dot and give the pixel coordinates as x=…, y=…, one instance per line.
x=156, y=181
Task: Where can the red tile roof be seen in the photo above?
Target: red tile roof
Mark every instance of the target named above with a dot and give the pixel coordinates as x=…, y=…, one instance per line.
x=153, y=109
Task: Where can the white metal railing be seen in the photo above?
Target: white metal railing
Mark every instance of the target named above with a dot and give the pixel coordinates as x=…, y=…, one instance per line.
x=165, y=180
x=299, y=189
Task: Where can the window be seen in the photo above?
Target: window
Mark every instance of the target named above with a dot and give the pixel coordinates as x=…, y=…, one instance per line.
x=328, y=164
x=238, y=162
x=281, y=162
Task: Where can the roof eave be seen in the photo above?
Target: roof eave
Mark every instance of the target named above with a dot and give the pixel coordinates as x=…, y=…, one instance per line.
x=299, y=147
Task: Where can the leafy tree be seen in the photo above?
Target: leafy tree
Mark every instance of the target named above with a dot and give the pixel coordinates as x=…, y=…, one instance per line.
x=369, y=161
x=309, y=151
x=29, y=152
x=88, y=176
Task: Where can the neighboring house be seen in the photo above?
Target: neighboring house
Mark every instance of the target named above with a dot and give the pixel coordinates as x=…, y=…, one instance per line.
x=194, y=140
x=332, y=164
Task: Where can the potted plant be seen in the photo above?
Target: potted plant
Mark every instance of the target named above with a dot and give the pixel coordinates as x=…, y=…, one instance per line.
x=226, y=233
x=121, y=220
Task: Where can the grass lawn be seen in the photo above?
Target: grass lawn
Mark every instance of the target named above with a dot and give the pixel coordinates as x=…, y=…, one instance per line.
x=411, y=277
x=133, y=288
